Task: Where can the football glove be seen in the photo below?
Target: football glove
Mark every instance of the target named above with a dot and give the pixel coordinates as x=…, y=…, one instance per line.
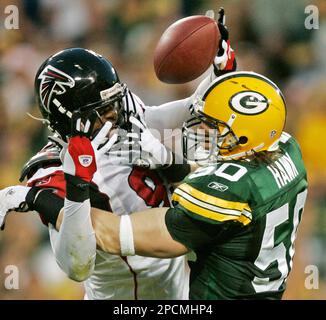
x=79, y=159
x=153, y=154
x=102, y=144
x=99, y=142
x=225, y=59
x=12, y=198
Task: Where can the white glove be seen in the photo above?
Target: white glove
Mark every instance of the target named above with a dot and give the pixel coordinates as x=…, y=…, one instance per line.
x=102, y=144
x=79, y=159
x=138, y=148
x=153, y=153
x=12, y=199
x=225, y=61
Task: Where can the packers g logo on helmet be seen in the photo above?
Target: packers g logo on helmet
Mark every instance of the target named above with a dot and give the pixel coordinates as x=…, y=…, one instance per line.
x=241, y=113
x=249, y=102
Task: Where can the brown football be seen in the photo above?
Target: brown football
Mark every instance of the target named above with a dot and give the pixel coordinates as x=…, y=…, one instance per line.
x=186, y=49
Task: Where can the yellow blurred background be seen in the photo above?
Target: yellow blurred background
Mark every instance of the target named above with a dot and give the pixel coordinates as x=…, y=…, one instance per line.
x=269, y=37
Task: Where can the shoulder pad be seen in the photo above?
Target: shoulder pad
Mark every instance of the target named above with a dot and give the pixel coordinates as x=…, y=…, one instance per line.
x=49, y=155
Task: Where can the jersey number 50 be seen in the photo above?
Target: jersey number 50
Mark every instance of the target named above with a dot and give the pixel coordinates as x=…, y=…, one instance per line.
x=270, y=253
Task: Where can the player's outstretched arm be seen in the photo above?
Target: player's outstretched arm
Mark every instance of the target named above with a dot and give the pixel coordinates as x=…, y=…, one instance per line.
x=143, y=233
x=74, y=245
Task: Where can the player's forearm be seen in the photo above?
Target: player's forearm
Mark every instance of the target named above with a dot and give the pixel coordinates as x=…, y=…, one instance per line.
x=75, y=248
x=75, y=244
x=171, y=115
x=106, y=227
x=149, y=234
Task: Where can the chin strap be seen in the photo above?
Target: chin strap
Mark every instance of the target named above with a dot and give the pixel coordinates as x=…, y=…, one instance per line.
x=241, y=154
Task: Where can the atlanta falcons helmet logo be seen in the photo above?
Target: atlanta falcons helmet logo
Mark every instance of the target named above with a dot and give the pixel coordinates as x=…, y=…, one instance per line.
x=53, y=82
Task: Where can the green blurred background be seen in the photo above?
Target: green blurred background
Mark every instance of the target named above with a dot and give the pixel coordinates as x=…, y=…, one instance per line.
x=269, y=37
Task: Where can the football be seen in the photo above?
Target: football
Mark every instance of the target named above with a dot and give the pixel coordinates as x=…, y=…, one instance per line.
x=186, y=49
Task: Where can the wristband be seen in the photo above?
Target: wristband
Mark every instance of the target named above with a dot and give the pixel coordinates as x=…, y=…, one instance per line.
x=126, y=236
x=77, y=188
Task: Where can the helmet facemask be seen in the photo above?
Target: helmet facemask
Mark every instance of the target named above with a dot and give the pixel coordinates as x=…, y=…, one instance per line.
x=111, y=102
x=205, y=138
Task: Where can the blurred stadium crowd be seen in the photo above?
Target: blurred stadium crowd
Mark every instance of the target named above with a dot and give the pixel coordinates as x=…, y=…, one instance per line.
x=269, y=37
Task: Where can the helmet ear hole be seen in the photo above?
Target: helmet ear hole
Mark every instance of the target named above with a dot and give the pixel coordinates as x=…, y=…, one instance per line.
x=243, y=140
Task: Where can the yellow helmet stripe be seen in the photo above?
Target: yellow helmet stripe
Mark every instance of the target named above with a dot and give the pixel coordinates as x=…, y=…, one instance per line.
x=213, y=215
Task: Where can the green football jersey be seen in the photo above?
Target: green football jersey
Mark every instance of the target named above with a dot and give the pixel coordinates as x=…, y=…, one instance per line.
x=241, y=218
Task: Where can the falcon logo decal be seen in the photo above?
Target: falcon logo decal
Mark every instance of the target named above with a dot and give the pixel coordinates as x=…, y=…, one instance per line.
x=53, y=82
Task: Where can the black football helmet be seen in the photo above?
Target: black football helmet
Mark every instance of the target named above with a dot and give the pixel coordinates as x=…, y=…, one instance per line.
x=77, y=79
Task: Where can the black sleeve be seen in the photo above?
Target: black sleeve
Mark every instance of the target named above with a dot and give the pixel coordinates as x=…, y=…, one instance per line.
x=98, y=199
x=194, y=234
x=178, y=170
x=46, y=203
x=77, y=189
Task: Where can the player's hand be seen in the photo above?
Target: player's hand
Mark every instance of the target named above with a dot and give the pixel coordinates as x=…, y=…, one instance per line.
x=12, y=199
x=79, y=159
x=225, y=59
x=153, y=153
x=102, y=144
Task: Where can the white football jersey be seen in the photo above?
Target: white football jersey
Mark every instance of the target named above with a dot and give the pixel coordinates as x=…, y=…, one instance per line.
x=131, y=189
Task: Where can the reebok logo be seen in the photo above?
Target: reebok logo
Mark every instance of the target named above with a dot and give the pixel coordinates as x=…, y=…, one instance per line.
x=217, y=186
x=82, y=186
x=85, y=160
